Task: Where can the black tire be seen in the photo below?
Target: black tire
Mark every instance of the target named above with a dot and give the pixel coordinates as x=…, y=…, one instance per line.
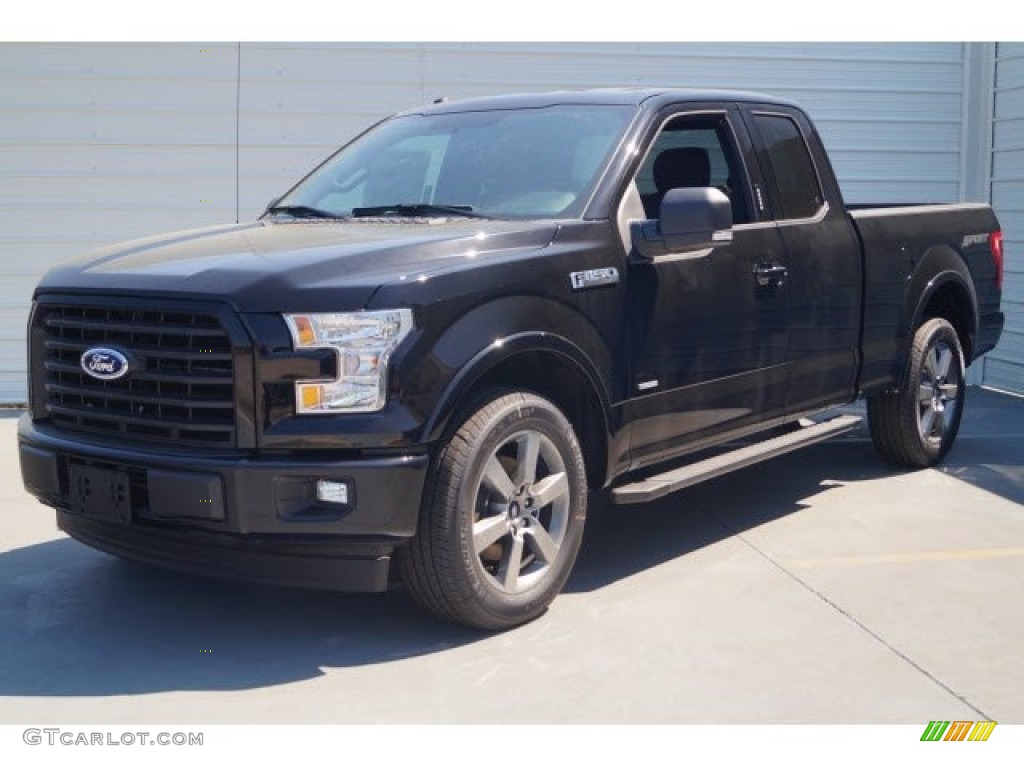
x=502, y=518
x=916, y=425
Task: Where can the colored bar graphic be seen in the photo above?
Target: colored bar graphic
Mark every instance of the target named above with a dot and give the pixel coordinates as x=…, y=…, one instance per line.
x=958, y=730
x=935, y=730
x=982, y=730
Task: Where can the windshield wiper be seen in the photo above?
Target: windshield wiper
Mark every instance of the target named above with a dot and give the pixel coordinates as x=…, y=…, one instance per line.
x=303, y=212
x=418, y=209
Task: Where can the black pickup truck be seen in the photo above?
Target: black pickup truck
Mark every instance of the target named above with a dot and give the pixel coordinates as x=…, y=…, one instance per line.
x=477, y=314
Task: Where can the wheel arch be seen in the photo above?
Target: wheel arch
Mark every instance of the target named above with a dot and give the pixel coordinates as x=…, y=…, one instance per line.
x=941, y=286
x=544, y=364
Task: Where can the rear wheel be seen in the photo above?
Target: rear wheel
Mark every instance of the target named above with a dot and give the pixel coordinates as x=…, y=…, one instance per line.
x=916, y=425
x=503, y=518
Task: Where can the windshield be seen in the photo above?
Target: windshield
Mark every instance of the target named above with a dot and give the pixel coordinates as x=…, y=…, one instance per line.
x=525, y=163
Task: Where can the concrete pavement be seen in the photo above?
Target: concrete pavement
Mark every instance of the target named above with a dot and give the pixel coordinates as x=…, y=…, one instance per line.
x=820, y=587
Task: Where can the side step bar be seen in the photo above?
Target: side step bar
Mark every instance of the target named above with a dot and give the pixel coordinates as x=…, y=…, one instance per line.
x=676, y=479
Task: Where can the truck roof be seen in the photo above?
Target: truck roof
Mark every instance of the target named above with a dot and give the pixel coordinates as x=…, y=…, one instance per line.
x=622, y=96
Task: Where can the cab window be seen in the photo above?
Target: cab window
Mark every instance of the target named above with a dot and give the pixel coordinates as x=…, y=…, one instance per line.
x=797, y=190
x=692, y=152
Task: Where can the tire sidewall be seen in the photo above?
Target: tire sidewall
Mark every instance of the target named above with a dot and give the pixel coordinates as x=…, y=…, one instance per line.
x=928, y=335
x=536, y=414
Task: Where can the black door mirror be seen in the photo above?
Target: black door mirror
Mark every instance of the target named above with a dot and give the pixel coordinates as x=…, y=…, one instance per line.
x=692, y=219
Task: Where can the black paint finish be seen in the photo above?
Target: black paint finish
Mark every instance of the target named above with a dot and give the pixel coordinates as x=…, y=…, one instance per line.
x=777, y=319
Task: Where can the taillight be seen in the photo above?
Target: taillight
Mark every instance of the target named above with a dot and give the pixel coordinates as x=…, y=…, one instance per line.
x=995, y=244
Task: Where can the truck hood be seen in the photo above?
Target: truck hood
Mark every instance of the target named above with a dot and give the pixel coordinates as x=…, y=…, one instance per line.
x=307, y=265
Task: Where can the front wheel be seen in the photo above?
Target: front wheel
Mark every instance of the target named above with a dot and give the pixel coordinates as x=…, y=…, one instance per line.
x=916, y=425
x=503, y=518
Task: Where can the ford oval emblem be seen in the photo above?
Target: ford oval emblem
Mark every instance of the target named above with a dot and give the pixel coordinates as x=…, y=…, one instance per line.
x=104, y=363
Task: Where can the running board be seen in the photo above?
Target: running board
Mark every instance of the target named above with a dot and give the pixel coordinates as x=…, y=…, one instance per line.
x=676, y=479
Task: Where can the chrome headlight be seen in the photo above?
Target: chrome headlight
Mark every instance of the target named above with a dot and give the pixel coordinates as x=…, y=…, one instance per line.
x=363, y=342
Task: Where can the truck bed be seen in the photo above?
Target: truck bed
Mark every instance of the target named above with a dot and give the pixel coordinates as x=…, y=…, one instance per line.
x=904, y=243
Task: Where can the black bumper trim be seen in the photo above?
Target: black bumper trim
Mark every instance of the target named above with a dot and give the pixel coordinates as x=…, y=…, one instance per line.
x=350, y=566
x=237, y=494
x=990, y=329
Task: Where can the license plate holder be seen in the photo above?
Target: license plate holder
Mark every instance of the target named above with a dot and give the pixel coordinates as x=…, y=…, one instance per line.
x=102, y=494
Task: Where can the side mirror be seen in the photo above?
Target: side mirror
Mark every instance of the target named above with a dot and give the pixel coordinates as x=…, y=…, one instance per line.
x=692, y=219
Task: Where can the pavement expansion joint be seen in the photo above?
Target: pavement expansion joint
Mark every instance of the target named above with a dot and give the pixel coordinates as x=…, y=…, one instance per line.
x=849, y=616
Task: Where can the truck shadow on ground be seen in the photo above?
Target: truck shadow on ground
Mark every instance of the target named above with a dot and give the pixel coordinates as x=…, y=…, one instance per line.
x=74, y=622
x=621, y=541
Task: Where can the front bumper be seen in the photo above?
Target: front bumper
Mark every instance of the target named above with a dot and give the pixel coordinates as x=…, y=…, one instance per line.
x=235, y=515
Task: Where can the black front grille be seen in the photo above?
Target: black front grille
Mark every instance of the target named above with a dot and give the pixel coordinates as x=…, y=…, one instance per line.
x=180, y=388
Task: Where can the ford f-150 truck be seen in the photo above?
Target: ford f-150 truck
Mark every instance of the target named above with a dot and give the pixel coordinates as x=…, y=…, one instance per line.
x=475, y=315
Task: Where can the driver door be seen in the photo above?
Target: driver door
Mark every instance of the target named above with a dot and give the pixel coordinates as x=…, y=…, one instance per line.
x=708, y=333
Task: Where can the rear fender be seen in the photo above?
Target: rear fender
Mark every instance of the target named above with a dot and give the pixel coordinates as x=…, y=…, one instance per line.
x=940, y=270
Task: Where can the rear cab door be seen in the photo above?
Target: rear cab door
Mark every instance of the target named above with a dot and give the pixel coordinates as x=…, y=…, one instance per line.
x=823, y=267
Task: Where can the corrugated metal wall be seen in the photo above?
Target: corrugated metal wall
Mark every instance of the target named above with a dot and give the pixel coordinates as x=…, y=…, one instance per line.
x=111, y=141
x=890, y=114
x=100, y=143
x=1004, y=367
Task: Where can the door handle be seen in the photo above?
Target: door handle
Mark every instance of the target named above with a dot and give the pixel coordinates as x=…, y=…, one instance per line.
x=767, y=274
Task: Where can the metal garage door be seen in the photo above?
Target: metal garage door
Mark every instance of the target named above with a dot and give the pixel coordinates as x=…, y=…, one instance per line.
x=106, y=142
x=1004, y=367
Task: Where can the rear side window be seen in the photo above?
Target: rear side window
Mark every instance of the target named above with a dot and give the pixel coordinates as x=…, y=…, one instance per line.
x=799, y=192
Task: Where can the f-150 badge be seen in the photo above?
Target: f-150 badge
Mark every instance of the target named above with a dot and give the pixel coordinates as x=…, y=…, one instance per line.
x=591, y=278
